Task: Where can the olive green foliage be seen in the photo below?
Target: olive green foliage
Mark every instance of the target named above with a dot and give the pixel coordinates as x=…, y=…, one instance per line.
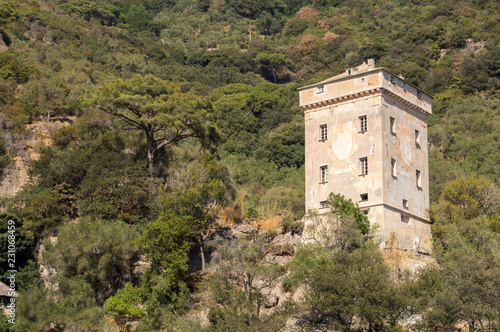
x=243, y=276
x=262, y=144
x=344, y=208
x=349, y=286
x=464, y=141
x=111, y=194
x=107, y=14
x=104, y=255
x=465, y=286
x=104, y=179
x=248, y=115
x=37, y=309
x=167, y=241
x=462, y=200
x=273, y=63
x=188, y=198
x=196, y=188
x=123, y=306
x=48, y=209
x=157, y=108
x=283, y=145
x=343, y=286
x=14, y=235
x=167, y=302
x=15, y=66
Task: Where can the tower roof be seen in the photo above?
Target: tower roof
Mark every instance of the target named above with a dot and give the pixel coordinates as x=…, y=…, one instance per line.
x=362, y=81
x=365, y=67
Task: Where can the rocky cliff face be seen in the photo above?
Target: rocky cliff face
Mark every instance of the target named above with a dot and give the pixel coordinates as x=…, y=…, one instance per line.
x=25, y=148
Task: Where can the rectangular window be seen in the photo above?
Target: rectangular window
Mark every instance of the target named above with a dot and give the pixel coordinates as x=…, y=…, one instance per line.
x=323, y=132
x=417, y=138
x=392, y=123
x=320, y=89
x=419, y=179
x=393, y=168
x=363, y=166
x=323, y=204
x=393, y=80
x=365, y=212
x=364, y=197
x=362, y=123
x=323, y=174
x=405, y=204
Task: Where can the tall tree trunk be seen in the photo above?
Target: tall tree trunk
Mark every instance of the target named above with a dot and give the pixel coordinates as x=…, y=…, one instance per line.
x=151, y=152
x=202, y=253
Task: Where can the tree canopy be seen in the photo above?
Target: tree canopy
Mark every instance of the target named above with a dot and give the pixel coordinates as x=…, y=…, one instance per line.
x=157, y=108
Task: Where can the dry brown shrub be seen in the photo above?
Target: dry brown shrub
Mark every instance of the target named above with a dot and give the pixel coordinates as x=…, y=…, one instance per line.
x=297, y=52
x=329, y=37
x=307, y=39
x=269, y=224
x=270, y=217
x=324, y=23
x=306, y=12
x=227, y=216
x=394, y=255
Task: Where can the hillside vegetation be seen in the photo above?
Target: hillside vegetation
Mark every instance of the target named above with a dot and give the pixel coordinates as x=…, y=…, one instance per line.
x=184, y=118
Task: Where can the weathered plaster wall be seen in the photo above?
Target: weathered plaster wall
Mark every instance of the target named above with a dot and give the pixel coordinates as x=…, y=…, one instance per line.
x=409, y=157
x=342, y=150
x=412, y=232
x=378, y=95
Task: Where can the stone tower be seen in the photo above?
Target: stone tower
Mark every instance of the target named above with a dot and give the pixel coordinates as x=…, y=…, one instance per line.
x=366, y=138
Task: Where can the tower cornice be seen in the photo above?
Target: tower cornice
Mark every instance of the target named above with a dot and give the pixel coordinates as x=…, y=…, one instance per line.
x=342, y=99
x=402, y=101
x=367, y=93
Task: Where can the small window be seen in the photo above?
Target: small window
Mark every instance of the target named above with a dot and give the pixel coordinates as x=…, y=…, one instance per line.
x=405, y=204
x=362, y=123
x=365, y=212
x=323, y=173
x=323, y=132
x=392, y=124
x=349, y=71
x=417, y=138
x=393, y=80
x=320, y=89
x=363, y=166
x=405, y=218
x=419, y=94
x=393, y=168
x=419, y=178
x=364, y=197
x=323, y=204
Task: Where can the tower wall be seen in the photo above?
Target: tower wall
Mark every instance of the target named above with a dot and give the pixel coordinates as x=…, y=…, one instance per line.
x=366, y=138
x=342, y=150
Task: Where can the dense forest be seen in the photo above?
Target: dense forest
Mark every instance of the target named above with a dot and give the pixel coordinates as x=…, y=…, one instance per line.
x=167, y=121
